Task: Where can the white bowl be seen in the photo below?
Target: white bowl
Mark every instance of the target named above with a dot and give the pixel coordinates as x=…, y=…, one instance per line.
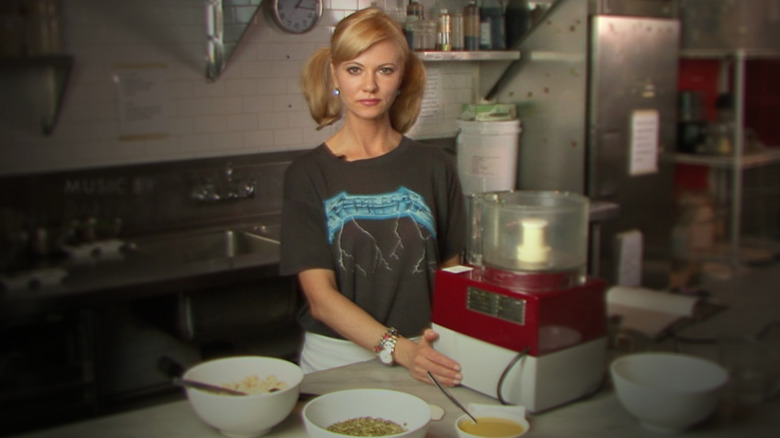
x=411, y=412
x=515, y=414
x=244, y=416
x=668, y=392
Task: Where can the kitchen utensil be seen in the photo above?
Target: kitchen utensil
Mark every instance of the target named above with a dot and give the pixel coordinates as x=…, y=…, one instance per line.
x=174, y=370
x=206, y=387
x=522, y=317
x=450, y=396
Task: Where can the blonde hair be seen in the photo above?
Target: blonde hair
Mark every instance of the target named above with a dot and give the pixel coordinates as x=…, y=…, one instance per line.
x=354, y=35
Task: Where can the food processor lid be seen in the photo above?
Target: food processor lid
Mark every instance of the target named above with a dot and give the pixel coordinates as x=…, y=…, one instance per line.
x=529, y=239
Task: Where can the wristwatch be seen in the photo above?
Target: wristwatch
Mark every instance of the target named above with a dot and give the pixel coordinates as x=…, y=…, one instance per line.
x=386, y=346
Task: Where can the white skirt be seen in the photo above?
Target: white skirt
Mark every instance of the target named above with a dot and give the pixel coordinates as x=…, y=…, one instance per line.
x=323, y=352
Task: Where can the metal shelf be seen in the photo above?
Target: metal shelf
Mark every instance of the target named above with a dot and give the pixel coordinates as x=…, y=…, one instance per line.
x=502, y=55
x=735, y=59
x=728, y=53
x=751, y=253
x=751, y=160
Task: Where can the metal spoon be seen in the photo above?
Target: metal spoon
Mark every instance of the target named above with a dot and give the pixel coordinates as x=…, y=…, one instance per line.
x=206, y=387
x=450, y=396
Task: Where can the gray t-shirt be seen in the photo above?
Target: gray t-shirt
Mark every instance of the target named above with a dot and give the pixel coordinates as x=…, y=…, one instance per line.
x=382, y=225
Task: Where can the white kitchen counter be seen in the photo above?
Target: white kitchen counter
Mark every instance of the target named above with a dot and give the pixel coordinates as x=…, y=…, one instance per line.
x=599, y=416
x=752, y=297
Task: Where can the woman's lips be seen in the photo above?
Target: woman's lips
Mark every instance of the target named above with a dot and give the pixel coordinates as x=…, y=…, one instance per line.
x=369, y=102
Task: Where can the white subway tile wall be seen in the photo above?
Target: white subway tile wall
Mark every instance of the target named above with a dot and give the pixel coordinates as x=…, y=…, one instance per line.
x=255, y=106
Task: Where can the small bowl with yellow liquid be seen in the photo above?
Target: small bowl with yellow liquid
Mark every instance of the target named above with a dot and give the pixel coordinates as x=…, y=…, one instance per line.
x=493, y=421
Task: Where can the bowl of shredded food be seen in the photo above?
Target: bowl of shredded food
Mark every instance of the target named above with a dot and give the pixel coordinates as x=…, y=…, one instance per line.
x=271, y=385
x=367, y=412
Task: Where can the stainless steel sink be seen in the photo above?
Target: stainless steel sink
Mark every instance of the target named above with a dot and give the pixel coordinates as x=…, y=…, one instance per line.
x=202, y=246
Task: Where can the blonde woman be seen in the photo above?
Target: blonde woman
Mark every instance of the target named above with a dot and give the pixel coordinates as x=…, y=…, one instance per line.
x=370, y=214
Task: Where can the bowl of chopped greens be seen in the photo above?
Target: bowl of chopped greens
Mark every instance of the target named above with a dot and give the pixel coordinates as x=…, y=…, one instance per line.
x=368, y=412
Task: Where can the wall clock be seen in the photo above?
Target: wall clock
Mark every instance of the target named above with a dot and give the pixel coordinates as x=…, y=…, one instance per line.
x=296, y=16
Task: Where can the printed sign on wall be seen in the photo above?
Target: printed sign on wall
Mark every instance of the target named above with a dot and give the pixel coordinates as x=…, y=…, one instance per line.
x=142, y=101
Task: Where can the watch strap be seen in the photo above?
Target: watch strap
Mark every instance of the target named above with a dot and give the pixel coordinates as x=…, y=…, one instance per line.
x=385, y=348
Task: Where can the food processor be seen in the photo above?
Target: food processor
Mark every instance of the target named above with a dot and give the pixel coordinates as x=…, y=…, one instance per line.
x=522, y=317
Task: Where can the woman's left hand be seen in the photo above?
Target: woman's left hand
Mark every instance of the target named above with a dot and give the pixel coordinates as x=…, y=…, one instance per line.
x=420, y=357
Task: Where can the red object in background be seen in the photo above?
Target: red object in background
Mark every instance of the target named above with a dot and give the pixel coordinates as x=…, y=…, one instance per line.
x=701, y=75
x=761, y=100
x=762, y=92
x=691, y=177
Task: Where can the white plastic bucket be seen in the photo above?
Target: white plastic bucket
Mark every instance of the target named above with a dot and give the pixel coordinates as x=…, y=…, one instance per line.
x=487, y=155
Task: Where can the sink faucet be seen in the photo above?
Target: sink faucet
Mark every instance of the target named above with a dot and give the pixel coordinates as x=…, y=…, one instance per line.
x=229, y=173
x=205, y=191
x=229, y=188
x=245, y=189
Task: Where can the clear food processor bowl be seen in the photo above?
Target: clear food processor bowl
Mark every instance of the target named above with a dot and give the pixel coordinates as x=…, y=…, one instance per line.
x=517, y=234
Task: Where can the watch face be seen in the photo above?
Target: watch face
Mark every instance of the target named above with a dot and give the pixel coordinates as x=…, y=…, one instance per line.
x=296, y=16
x=386, y=356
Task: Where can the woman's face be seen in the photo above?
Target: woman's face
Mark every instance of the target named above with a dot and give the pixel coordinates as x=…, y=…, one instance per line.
x=369, y=84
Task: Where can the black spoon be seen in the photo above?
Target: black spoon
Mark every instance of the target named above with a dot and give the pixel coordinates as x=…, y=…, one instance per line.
x=450, y=396
x=206, y=387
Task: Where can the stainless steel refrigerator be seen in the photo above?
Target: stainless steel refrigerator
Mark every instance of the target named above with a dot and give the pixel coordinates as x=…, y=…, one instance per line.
x=596, y=90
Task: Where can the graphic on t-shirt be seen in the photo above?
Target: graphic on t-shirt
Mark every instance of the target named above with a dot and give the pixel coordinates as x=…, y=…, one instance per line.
x=403, y=202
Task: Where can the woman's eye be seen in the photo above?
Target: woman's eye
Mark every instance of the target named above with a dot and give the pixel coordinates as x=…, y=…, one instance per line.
x=387, y=70
x=353, y=70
